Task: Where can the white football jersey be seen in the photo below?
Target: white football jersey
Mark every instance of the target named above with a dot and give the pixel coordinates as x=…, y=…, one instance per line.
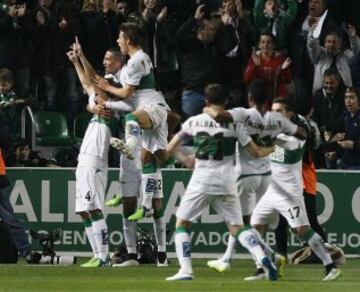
x=263, y=129
x=286, y=165
x=95, y=145
x=215, y=146
x=138, y=71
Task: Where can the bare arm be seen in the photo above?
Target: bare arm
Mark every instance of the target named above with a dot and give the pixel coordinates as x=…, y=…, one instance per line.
x=121, y=93
x=85, y=82
x=88, y=68
x=173, y=149
x=301, y=133
x=258, y=151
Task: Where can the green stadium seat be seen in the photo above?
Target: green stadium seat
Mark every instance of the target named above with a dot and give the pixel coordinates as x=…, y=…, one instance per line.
x=80, y=125
x=51, y=129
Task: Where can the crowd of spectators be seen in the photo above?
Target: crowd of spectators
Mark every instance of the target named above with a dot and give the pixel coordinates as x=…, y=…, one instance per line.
x=307, y=50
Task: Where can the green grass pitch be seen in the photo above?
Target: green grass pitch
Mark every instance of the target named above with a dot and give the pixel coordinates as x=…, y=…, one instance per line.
x=304, y=278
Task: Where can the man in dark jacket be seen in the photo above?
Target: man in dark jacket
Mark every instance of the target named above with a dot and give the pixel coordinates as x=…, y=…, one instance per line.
x=17, y=231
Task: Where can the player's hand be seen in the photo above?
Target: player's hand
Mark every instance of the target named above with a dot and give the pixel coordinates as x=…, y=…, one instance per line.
x=76, y=47
x=347, y=144
x=100, y=82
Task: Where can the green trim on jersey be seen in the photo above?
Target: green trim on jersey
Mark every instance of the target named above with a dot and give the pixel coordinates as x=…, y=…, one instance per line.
x=182, y=229
x=253, y=174
x=284, y=156
x=87, y=222
x=101, y=120
x=147, y=82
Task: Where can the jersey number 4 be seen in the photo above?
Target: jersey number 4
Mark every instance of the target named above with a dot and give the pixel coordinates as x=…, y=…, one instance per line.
x=209, y=147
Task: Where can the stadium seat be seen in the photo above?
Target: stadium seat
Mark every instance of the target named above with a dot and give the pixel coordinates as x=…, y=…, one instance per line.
x=80, y=124
x=51, y=129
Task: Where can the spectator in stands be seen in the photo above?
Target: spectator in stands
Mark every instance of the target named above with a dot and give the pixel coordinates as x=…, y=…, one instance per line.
x=328, y=111
x=200, y=51
x=270, y=18
x=100, y=23
x=15, y=42
x=23, y=156
x=11, y=104
x=270, y=66
x=302, y=67
x=57, y=24
x=124, y=10
x=159, y=44
x=332, y=55
x=233, y=64
x=349, y=142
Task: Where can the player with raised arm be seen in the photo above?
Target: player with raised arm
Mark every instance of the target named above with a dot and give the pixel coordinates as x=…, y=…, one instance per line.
x=285, y=193
x=91, y=171
x=213, y=182
x=150, y=117
x=253, y=174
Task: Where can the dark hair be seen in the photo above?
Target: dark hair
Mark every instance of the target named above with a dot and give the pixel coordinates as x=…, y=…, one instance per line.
x=286, y=102
x=335, y=33
x=267, y=33
x=21, y=143
x=332, y=72
x=215, y=94
x=133, y=32
x=258, y=91
x=6, y=75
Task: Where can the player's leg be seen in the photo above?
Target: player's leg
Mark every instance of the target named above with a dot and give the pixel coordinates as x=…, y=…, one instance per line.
x=160, y=229
x=81, y=208
x=230, y=209
x=90, y=236
x=150, y=179
x=246, y=190
x=293, y=209
x=101, y=236
x=191, y=206
x=97, y=180
x=129, y=229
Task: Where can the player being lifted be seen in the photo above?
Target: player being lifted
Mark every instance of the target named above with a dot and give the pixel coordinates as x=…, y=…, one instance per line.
x=253, y=174
x=91, y=171
x=285, y=193
x=150, y=118
x=213, y=182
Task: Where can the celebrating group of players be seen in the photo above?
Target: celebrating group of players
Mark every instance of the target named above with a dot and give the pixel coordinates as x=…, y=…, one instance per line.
x=265, y=181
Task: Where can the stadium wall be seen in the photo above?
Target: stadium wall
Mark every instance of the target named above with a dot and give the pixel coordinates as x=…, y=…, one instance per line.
x=44, y=199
